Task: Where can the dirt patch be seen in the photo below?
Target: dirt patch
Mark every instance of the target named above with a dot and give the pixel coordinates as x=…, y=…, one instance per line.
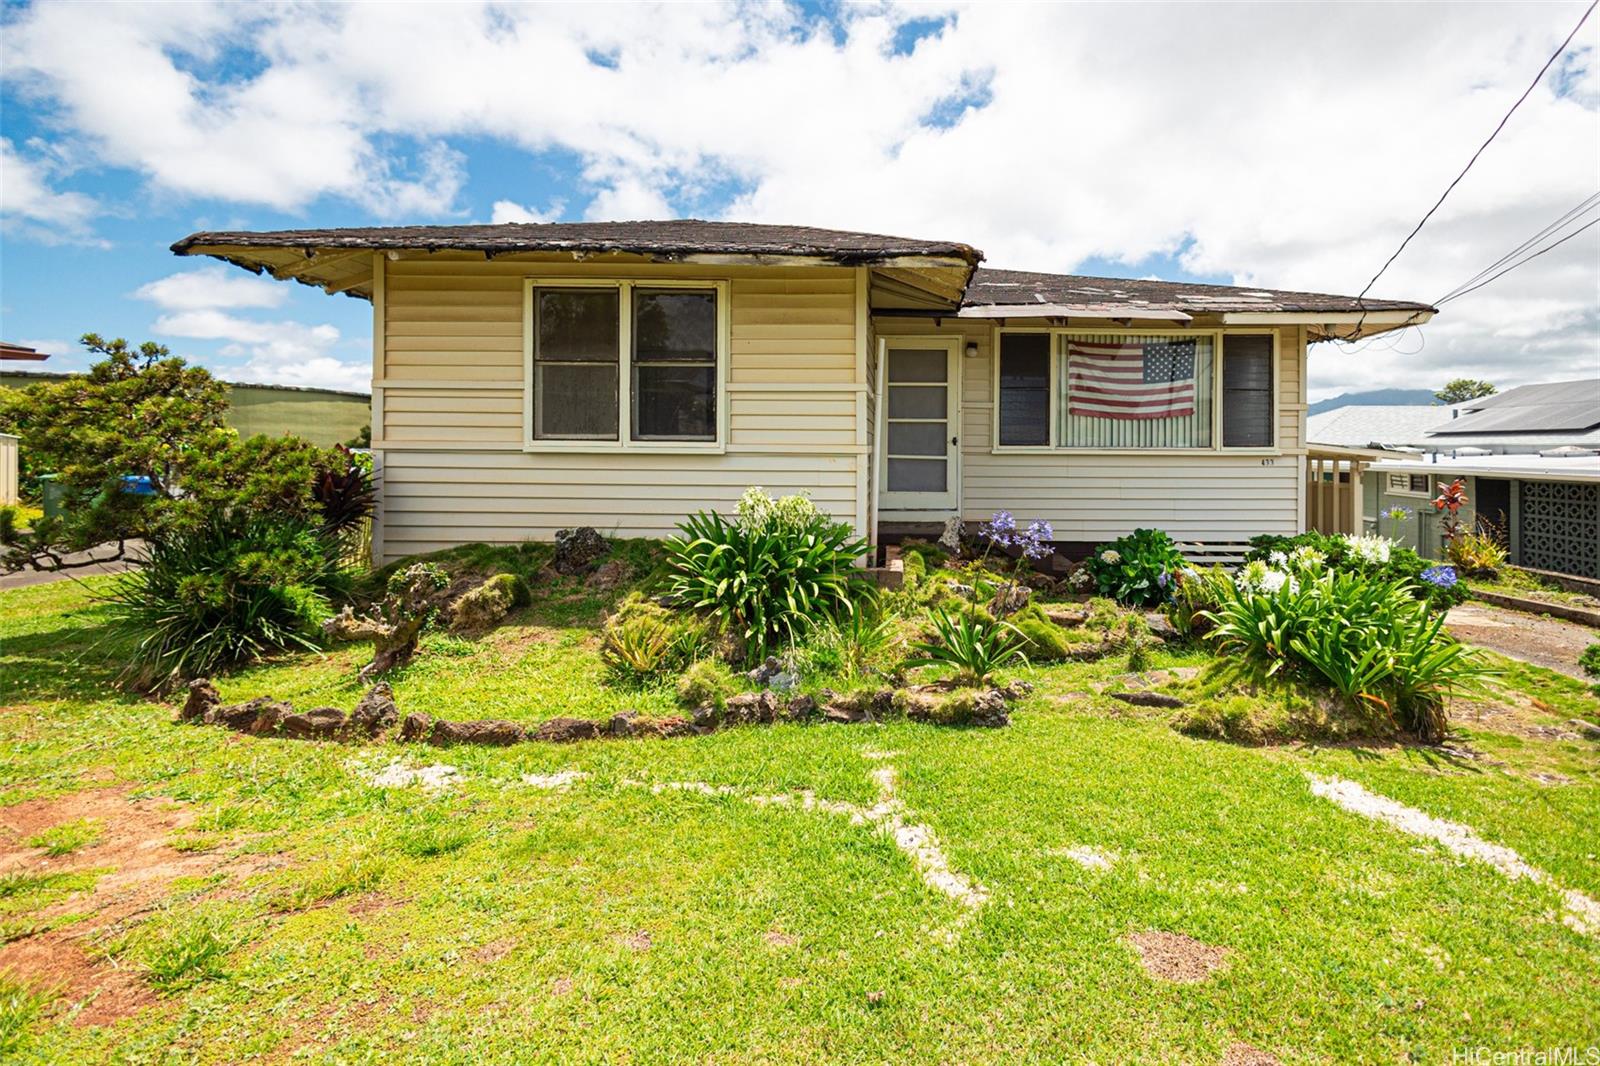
x=639, y=941
x=513, y=639
x=96, y=990
x=373, y=903
x=1176, y=957
x=1241, y=1054
x=1519, y=718
x=1532, y=638
x=495, y=950
x=139, y=863
x=776, y=939
x=561, y=986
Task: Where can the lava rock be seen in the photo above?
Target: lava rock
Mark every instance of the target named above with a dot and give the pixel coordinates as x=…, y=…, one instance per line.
x=319, y=723
x=256, y=716
x=416, y=727
x=763, y=674
x=1162, y=626
x=376, y=712
x=625, y=724
x=752, y=708
x=800, y=708
x=489, y=732
x=201, y=703
x=1148, y=699
x=578, y=550
x=566, y=730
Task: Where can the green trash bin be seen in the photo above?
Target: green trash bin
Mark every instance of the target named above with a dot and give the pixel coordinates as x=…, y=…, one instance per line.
x=54, y=493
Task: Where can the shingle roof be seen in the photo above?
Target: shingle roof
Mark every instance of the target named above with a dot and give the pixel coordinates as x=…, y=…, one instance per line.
x=1374, y=426
x=670, y=239
x=997, y=287
x=1552, y=405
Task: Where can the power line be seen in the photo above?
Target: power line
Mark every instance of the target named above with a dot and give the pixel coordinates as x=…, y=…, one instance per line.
x=1584, y=207
x=1449, y=188
x=1524, y=260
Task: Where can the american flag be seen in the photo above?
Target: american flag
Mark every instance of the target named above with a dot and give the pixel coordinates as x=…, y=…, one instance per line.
x=1130, y=378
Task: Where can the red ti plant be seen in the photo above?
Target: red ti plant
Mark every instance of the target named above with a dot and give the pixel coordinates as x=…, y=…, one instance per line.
x=1451, y=499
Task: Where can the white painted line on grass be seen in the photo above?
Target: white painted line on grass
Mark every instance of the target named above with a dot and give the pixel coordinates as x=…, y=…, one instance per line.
x=1582, y=912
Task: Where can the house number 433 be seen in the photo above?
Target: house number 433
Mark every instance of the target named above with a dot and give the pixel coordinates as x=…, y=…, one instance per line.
x=1269, y=462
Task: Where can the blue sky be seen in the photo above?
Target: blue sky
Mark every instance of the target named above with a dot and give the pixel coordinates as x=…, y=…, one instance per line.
x=1105, y=141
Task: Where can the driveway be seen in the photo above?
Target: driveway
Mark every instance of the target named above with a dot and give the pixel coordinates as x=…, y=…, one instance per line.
x=1532, y=638
x=24, y=578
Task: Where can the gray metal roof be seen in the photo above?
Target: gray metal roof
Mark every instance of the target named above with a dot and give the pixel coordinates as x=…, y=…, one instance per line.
x=1555, y=406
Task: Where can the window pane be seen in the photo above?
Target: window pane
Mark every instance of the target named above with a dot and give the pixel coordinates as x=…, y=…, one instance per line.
x=675, y=402
x=916, y=438
x=1123, y=390
x=577, y=400
x=674, y=325
x=577, y=325
x=917, y=401
x=916, y=475
x=1247, y=392
x=918, y=364
x=1025, y=388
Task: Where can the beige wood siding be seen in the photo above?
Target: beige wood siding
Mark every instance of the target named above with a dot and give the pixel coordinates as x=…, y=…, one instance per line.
x=1090, y=497
x=450, y=388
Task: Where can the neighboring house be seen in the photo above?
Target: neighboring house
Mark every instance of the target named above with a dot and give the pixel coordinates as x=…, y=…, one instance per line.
x=1522, y=421
x=1546, y=507
x=18, y=353
x=8, y=469
x=322, y=416
x=1374, y=426
x=622, y=375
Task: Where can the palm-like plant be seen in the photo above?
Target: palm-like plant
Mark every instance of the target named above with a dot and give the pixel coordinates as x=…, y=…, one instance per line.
x=975, y=646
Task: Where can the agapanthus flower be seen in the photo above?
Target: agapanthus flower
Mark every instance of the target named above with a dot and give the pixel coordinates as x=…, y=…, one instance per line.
x=1443, y=576
x=1369, y=550
x=1397, y=514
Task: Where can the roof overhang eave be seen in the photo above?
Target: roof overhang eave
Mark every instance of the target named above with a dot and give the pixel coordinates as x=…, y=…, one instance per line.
x=1109, y=313
x=1334, y=325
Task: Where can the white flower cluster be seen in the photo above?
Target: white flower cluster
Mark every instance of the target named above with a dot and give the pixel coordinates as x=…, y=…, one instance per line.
x=1080, y=578
x=1369, y=549
x=759, y=511
x=1259, y=579
x=1306, y=560
x=1111, y=557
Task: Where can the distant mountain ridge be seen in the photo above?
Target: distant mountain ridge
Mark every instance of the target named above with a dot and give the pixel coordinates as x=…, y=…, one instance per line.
x=1376, y=398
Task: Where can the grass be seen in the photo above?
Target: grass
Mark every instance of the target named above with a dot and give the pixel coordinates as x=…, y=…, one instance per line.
x=68, y=837
x=501, y=922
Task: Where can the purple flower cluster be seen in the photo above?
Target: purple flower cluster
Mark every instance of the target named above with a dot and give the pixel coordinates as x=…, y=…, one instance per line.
x=1034, y=542
x=1440, y=576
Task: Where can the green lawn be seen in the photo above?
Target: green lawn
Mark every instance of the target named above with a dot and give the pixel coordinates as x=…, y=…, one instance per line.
x=313, y=917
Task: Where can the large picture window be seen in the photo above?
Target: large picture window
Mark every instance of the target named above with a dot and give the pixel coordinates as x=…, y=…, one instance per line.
x=1123, y=390
x=625, y=363
x=1134, y=390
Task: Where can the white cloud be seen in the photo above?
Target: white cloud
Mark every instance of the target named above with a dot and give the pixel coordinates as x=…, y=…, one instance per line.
x=30, y=208
x=212, y=287
x=1281, y=145
x=273, y=353
x=511, y=211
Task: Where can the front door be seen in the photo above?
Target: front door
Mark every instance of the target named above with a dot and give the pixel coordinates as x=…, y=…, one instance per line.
x=919, y=446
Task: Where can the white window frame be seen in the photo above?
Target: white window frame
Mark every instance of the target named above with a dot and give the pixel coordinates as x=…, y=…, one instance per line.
x=1218, y=346
x=625, y=288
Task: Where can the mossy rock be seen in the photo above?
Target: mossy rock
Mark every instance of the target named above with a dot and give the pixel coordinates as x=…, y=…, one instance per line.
x=707, y=681
x=489, y=603
x=1223, y=704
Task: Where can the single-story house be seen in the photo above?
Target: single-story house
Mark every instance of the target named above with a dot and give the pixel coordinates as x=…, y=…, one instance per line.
x=1547, y=508
x=528, y=377
x=322, y=416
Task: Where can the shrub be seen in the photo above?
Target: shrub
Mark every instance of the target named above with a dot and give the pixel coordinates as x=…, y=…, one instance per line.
x=864, y=644
x=1194, y=592
x=975, y=647
x=772, y=573
x=1370, y=640
x=1135, y=569
x=1376, y=557
x=643, y=641
x=226, y=592
x=1590, y=660
x=1477, y=554
x=10, y=515
x=707, y=681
